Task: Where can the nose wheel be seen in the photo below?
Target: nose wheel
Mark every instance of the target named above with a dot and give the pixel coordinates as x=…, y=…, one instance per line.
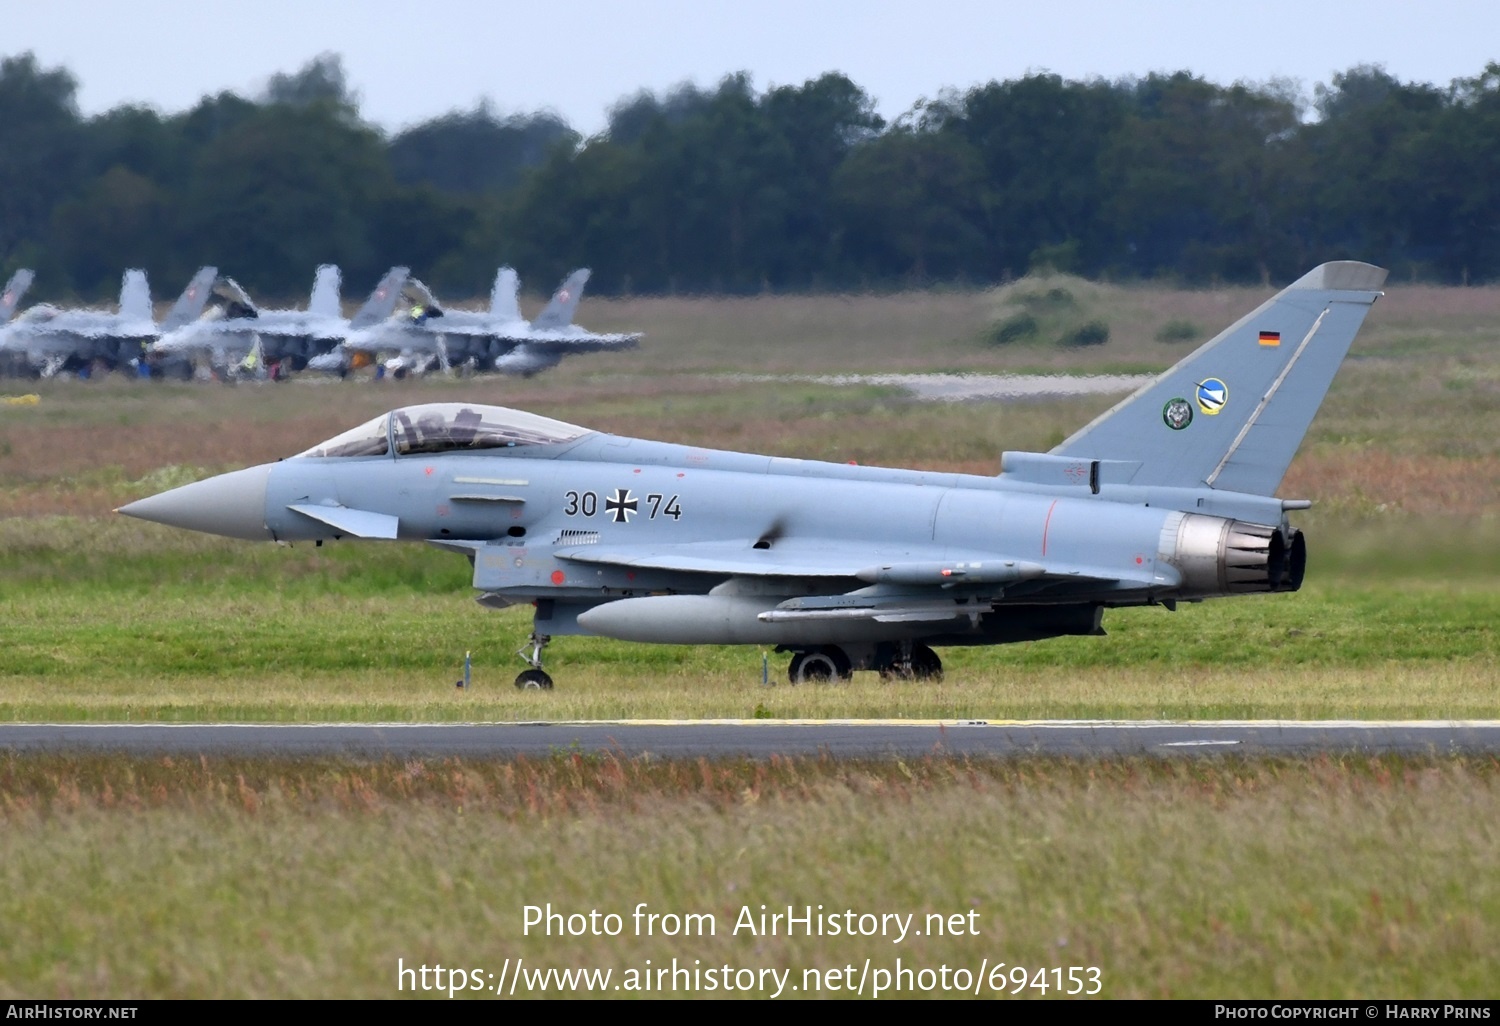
x=535, y=678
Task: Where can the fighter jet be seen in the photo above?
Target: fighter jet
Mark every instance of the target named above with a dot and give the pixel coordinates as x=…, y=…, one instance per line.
x=553, y=335
x=49, y=340
x=1167, y=498
x=235, y=337
x=497, y=339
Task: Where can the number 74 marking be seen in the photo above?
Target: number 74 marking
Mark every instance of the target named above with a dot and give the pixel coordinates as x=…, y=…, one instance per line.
x=671, y=509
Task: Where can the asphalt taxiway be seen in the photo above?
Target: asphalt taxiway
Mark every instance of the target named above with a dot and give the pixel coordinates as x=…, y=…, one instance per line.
x=764, y=738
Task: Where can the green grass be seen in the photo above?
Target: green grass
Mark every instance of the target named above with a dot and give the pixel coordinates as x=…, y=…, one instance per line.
x=1346, y=877
x=144, y=623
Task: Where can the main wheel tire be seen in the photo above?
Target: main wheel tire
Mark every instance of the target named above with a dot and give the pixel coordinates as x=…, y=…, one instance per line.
x=819, y=666
x=534, y=680
x=925, y=664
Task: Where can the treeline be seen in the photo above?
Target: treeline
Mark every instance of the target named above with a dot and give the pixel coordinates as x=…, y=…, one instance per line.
x=728, y=189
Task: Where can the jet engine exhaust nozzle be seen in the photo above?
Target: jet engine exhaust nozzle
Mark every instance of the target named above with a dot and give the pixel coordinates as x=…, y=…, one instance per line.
x=1231, y=557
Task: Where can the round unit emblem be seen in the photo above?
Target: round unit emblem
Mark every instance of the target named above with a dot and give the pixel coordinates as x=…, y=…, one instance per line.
x=1212, y=395
x=1177, y=414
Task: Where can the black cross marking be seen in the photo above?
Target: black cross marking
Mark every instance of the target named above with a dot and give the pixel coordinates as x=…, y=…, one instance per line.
x=621, y=506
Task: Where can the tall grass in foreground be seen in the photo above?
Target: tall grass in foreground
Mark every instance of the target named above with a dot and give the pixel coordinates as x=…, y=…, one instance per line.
x=1347, y=877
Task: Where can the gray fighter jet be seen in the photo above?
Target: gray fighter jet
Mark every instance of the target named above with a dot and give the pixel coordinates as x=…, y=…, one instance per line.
x=235, y=337
x=49, y=340
x=1166, y=498
x=499, y=339
x=528, y=348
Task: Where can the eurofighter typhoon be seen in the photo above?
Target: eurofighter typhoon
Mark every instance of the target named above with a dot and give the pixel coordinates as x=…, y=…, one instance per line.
x=1168, y=497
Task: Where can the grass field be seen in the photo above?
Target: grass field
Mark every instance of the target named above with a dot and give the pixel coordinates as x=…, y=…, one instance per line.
x=1342, y=876
x=1332, y=878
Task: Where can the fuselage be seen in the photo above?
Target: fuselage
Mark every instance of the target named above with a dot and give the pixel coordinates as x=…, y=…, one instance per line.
x=581, y=519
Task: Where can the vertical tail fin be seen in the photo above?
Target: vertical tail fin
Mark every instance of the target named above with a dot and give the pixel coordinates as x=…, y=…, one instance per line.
x=324, y=301
x=1232, y=414
x=14, y=290
x=382, y=302
x=192, y=301
x=559, y=312
x=135, y=297
x=503, y=303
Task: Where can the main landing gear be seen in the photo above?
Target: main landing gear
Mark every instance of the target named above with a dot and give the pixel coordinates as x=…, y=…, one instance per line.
x=903, y=660
x=911, y=661
x=820, y=665
x=536, y=678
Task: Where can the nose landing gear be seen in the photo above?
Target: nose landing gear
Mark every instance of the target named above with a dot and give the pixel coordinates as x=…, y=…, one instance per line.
x=535, y=678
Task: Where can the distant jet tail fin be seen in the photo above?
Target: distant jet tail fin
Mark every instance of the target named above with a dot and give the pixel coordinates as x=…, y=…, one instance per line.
x=559, y=312
x=135, y=296
x=193, y=299
x=14, y=290
x=504, y=305
x=382, y=302
x=1232, y=414
x=325, y=292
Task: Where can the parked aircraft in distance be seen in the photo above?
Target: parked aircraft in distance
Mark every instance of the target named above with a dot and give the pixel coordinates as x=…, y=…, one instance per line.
x=237, y=337
x=496, y=339
x=1166, y=498
x=49, y=340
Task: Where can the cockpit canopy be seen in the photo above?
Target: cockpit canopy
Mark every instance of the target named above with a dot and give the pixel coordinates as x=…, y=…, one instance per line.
x=446, y=427
x=39, y=312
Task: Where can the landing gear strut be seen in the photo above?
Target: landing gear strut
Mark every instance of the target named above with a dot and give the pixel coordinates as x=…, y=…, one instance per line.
x=536, y=678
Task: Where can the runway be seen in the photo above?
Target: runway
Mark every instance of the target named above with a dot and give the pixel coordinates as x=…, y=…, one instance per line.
x=759, y=739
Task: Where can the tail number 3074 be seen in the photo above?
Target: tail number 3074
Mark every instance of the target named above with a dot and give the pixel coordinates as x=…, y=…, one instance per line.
x=622, y=506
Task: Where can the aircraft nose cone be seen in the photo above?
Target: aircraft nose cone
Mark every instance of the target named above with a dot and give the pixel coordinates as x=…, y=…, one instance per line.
x=232, y=504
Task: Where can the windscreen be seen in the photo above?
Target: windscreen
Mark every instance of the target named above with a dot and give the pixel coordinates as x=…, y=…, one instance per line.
x=449, y=427
x=369, y=439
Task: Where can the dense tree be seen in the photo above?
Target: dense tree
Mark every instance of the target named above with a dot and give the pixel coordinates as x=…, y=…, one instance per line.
x=1355, y=189
x=1459, y=163
x=730, y=188
x=113, y=223
x=911, y=207
x=287, y=189
x=41, y=151
x=633, y=117
x=476, y=151
x=1041, y=141
x=319, y=81
x=1193, y=173
x=820, y=122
